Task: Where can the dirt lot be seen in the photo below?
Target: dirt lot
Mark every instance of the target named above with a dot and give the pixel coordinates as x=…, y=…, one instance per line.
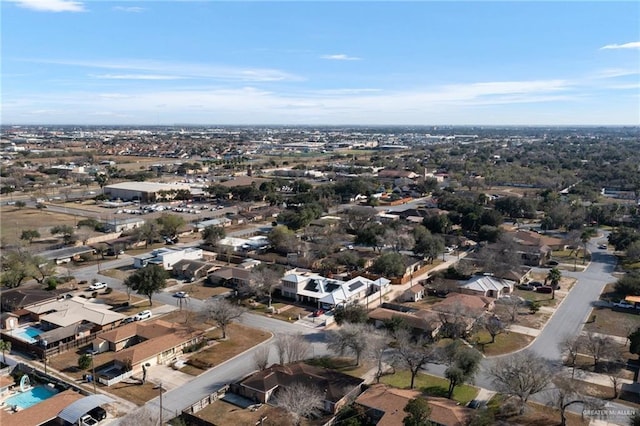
x=132, y=390
x=198, y=291
x=505, y=343
x=224, y=413
x=15, y=220
x=239, y=339
x=608, y=321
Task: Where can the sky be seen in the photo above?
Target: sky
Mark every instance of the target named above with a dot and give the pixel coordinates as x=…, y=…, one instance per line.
x=320, y=63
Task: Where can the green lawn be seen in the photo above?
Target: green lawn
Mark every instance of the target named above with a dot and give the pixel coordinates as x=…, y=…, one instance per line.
x=505, y=342
x=431, y=385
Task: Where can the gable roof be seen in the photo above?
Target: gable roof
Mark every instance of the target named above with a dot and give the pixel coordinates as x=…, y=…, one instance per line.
x=468, y=302
x=71, y=311
x=155, y=345
x=485, y=283
x=390, y=402
x=17, y=298
x=333, y=384
x=44, y=411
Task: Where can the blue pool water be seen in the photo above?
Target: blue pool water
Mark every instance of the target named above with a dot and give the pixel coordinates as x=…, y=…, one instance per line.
x=27, y=334
x=31, y=397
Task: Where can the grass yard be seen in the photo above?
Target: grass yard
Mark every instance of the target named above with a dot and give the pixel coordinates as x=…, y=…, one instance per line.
x=431, y=385
x=198, y=291
x=239, y=339
x=606, y=392
x=344, y=365
x=135, y=392
x=505, y=343
x=533, y=321
x=119, y=274
x=614, y=323
x=115, y=298
x=15, y=220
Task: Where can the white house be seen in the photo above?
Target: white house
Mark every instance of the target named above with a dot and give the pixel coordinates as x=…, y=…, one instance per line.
x=306, y=286
x=486, y=285
x=167, y=257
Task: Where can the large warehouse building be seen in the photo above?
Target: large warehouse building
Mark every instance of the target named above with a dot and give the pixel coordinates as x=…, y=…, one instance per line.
x=145, y=192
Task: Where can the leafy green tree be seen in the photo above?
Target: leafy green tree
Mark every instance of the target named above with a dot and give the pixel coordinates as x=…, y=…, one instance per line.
x=29, y=235
x=634, y=342
x=353, y=313
x=466, y=363
x=427, y=245
x=389, y=265
x=418, y=413
x=20, y=204
x=5, y=346
x=17, y=268
x=283, y=240
x=102, y=179
x=622, y=237
x=147, y=281
x=84, y=362
x=66, y=231
x=553, y=278
x=149, y=232
x=169, y=225
x=629, y=284
x=212, y=234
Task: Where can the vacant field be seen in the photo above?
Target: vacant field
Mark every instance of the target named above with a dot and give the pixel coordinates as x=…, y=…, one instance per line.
x=431, y=385
x=239, y=339
x=505, y=343
x=608, y=321
x=199, y=291
x=224, y=413
x=15, y=220
x=134, y=391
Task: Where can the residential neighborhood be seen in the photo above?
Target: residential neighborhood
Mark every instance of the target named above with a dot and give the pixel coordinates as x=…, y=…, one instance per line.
x=232, y=290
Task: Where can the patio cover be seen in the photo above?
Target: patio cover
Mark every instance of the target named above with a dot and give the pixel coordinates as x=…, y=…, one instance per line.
x=77, y=409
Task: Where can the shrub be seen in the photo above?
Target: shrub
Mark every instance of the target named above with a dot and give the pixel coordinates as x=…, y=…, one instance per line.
x=94, y=294
x=84, y=362
x=195, y=347
x=51, y=283
x=108, y=290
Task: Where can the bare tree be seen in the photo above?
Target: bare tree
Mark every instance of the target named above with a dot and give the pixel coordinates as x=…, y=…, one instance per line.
x=350, y=338
x=378, y=344
x=140, y=416
x=291, y=347
x=570, y=347
x=264, y=281
x=509, y=308
x=494, y=327
x=261, y=357
x=300, y=401
x=566, y=393
x=521, y=375
x=413, y=356
x=601, y=347
x=398, y=240
x=223, y=313
x=356, y=218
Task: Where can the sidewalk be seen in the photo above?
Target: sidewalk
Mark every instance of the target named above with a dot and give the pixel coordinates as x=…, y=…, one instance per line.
x=534, y=332
x=620, y=340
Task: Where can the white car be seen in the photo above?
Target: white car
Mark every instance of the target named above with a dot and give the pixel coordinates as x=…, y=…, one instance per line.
x=97, y=286
x=624, y=304
x=181, y=294
x=142, y=315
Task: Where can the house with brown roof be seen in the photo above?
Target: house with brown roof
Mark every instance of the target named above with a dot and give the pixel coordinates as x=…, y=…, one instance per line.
x=337, y=388
x=154, y=342
x=414, y=293
x=384, y=406
x=43, y=412
x=421, y=323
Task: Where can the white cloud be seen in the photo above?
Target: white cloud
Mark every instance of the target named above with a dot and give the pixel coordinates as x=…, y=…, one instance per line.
x=615, y=72
x=129, y=9
x=631, y=45
x=137, y=77
x=51, y=5
x=340, y=57
x=183, y=70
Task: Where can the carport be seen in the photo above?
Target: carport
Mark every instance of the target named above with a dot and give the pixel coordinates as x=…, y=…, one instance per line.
x=75, y=410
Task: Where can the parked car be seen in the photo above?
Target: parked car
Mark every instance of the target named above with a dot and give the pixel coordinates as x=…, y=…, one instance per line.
x=181, y=294
x=624, y=305
x=87, y=420
x=476, y=404
x=602, y=246
x=535, y=283
x=547, y=289
x=98, y=286
x=98, y=413
x=527, y=287
x=142, y=315
x=128, y=320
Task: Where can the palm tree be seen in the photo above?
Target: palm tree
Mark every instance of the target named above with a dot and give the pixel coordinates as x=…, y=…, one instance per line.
x=554, y=278
x=5, y=346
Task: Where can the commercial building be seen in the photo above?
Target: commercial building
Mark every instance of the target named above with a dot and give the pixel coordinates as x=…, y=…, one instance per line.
x=145, y=192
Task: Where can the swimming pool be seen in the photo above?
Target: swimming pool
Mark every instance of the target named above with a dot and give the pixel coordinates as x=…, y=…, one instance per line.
x=30, y=397
x=28, y=334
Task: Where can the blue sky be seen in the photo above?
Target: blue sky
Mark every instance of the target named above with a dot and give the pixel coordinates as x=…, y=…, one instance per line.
x=237, y=62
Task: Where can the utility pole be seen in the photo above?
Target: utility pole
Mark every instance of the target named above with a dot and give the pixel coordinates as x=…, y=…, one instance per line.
x=93, y=373
x=161, y=389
